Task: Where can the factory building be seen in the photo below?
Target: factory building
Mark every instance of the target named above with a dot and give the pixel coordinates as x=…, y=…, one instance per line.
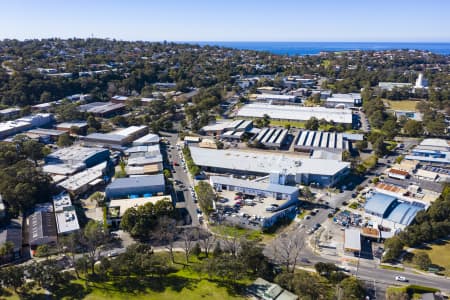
x=227, y=128
x=272, y=137
x=313, y=140
x=431, y=151
x=103, y=109
x=117, y=139
x=135, y=187
x=296, y=169
x=296, y=113
x=344, y=100
x=65, y=214
x=20, y=125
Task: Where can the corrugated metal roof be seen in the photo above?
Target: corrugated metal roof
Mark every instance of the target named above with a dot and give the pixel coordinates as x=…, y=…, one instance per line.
x=379, y=203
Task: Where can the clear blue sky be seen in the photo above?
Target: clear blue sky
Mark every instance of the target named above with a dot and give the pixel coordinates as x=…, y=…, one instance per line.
x=229, y=20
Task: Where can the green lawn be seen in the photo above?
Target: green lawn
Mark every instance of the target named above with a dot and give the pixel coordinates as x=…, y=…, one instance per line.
x=387, y=267
x=402, y=104
x=184, y=283
x=440, y=255
x=284, y=122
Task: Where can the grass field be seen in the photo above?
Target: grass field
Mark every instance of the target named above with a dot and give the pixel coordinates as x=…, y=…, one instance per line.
x=283, y=123
x=409, y=105
x=440, y=255
x=387, y=267
x=183, y=283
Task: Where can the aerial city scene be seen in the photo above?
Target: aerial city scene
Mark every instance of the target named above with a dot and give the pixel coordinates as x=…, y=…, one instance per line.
x=273, y=150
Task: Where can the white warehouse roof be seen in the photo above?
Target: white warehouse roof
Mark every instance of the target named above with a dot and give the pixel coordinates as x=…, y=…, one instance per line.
x=296, y=113
x=265, y=162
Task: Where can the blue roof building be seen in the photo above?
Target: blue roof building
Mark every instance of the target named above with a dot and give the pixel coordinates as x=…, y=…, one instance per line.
x=135, y=186
x=380, y=205
x=404, y=213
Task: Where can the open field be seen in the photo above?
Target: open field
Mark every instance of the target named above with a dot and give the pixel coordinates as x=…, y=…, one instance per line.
x=283, y=123
x=183, y=283
x=409, y=105
x=440, y=255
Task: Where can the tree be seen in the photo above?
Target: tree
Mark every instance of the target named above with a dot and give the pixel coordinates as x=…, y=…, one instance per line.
x=94, y=236
x=6, y=250
x=166, y=233
x=64, y=140
x=394, y=247
x=379, y=147
x=306, y=192
x=206, y=240
x=361, y=145
x=287, y=250
x=13, y=277
x=197, y=249
x=422, y=259
x=93, y=123
x=167, y=173
x=43, y=251
x=188, y=236
x=413, y=128
x=206, y=196
x=351, y=288
x=32, y=149
x=390, y=128
x=312, y=124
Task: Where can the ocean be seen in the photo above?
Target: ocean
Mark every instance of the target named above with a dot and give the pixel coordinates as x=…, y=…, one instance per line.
x=313, y=48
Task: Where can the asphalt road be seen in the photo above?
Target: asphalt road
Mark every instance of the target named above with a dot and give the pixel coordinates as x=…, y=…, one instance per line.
x=181, y=174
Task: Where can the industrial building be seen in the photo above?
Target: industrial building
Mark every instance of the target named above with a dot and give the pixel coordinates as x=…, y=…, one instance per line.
x=352, y=240
x=10, y=128
x=296, y=113
x=292, y=168
x=44, y=135
x=116, y=139
x=11, y=233
x=117, y=207
x=277, y=99
x=8, y=113
x=65, y=214
x=86, y=179
x=262, y=289
x=75, y=127
x=135, y=187
x=272, y=137
x=42, y=226
x=389, y=86
x=227, y=128
x=311, y=140
x=147, y=140
x=254, y=188
x=431, y=151
x=144, y=160
x=391, y=212
x=344, y=100
x=103, y=109
x=89, y=156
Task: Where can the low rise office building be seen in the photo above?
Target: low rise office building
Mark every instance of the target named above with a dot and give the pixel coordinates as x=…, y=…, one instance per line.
x=65, y=214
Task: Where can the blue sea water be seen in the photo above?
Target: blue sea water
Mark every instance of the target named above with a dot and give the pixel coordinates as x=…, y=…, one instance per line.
x=313, y=48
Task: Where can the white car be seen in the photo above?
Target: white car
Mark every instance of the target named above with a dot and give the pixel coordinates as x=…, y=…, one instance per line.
x=401, y=278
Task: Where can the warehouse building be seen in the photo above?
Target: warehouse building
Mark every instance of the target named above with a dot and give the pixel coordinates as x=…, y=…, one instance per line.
x=75, y=127
x=254, y=188
x=272, y=137
x=42, y=226
x=147, y=140
x=144, y=160
x=135, y=187
x=277, y=99
x=65, y=214
x=11, y=233
x=89, y=156
x=86, y=179
x=10, y=128
x=296, y=113
x=390, y=211
x=295, y=169
x=311, y=140
x=225, y=128
x=352, y=240
x=116, y=139
x=44, y=135
x=344, y=100
x=431, y=151
x=103, y=109
x=9, y=113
